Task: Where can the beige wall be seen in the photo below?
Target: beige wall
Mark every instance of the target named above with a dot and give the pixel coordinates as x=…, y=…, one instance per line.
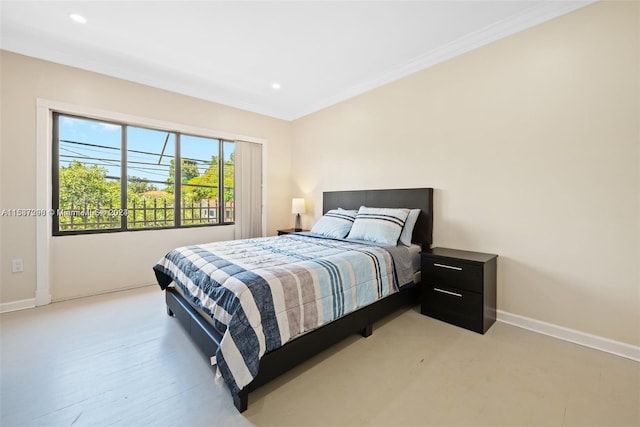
x=532, y=145
x=84, y=265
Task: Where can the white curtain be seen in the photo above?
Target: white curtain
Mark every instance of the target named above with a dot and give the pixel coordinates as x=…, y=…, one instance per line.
x=248, y=190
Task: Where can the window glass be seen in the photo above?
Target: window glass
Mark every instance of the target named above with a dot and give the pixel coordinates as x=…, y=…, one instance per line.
x=150, y=178
x=229, y=181
x=200, y=171
x=89, y=174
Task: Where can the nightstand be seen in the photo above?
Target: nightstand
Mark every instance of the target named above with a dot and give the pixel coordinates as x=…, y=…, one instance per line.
x=289, y=231
x=459, y=287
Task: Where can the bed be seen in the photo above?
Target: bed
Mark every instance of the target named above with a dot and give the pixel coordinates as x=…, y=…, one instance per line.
x=252, y=344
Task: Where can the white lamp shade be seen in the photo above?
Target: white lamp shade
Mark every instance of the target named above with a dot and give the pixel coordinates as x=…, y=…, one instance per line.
x=297, y=206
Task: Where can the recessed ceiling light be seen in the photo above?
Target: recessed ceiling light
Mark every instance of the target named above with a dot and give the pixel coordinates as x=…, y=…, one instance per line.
x=275, y=85
x=78, y=18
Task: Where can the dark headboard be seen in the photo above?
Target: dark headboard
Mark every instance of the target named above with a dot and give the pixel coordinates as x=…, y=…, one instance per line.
x=411, y=198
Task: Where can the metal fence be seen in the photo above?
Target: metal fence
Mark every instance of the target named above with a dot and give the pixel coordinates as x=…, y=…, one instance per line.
x=142, y=214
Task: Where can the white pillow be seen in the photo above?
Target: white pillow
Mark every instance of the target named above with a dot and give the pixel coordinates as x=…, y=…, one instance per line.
x=378, y=225
x=336, y=223
x=410, y=223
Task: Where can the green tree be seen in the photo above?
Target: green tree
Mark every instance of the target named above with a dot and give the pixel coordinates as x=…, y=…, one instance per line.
x=86, y=188
x=138, y=185
x=204, y=186
x=188, y=170
x=82, y=185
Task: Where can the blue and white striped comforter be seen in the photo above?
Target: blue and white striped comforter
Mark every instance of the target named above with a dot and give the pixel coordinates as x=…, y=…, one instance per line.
x=264, y=292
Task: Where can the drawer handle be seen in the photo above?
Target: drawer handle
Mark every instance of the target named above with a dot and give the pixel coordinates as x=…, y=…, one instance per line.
x=455, y=294
x=450, y=267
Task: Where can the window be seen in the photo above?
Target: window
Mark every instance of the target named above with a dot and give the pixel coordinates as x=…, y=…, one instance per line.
x=110, y=176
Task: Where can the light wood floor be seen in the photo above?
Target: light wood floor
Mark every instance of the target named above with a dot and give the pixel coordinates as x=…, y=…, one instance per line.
x=118, y=359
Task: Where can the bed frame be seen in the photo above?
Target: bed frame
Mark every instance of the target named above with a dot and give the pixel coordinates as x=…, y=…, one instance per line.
x=279, y=361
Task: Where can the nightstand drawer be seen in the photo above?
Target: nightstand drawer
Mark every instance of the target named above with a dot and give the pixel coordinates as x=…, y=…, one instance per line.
x=452, y=273
x=455, y=306
x=452, y=299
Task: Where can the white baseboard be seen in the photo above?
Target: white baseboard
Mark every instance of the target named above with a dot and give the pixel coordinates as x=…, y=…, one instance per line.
x=44, y=298
x=106, y=292
x=582, y=338
x=6, y=307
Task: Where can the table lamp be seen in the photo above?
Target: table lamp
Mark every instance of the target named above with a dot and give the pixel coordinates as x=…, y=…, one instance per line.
x=297, y=207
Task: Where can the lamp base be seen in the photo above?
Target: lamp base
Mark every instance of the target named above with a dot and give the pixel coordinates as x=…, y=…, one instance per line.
x=298, y=226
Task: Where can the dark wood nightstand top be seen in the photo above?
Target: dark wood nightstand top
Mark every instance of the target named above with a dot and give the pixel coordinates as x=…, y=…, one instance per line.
x=289, y=231
x=459, y=254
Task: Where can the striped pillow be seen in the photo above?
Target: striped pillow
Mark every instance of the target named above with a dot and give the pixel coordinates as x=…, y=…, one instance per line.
x=378, y=225
x=336, y=223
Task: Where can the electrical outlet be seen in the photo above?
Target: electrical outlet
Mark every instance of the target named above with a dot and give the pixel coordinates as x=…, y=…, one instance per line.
x=17, y=265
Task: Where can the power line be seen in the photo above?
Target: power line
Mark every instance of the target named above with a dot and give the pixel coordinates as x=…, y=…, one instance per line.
x=149, y=181
x=153, y=170
x=150, y=153
x=98, y=159
x=202, y=166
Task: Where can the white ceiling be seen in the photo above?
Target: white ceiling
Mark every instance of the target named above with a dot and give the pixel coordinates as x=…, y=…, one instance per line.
x=321, y=52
